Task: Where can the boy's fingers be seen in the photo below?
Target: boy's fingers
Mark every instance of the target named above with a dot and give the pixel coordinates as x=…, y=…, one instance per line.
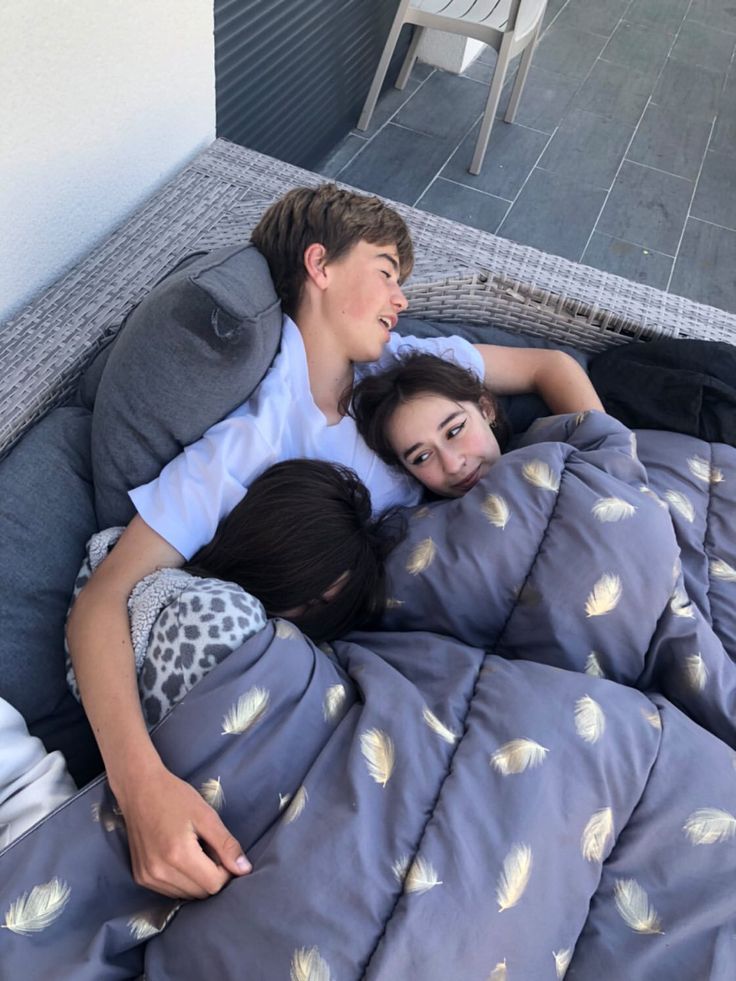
x=223, y=846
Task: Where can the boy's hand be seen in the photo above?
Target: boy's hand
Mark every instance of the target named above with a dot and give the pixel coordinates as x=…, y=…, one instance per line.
x=169, y=827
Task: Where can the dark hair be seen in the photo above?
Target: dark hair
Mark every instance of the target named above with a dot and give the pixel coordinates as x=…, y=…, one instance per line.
x=376, y=397
x=332, y=217
x=302, y=525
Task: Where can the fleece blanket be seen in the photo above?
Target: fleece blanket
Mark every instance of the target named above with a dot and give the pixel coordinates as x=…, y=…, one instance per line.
x=416, y=805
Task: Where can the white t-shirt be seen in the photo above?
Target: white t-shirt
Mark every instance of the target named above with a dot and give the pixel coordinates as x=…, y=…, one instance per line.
x=280, y=421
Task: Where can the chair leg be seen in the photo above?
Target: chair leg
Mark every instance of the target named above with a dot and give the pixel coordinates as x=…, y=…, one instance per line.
x=411, y=57
x=502, y=64
x=375, y=89
x=526, y=62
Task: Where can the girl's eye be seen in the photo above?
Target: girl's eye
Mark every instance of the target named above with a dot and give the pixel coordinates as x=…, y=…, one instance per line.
x=419, y=459
x=455, y=430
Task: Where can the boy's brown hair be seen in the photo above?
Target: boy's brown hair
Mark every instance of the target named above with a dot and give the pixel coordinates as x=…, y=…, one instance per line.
x=332, y=217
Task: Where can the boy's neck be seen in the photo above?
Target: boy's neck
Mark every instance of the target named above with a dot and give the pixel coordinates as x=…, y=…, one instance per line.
x=330, y=371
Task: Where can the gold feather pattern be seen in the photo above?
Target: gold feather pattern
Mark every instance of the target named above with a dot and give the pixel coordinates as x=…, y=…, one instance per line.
x=562, y=961
x=650, y=493
x=633, y=446
x=518, y=755
x=422, y=512
x=379, y=754
x=421, y=557
x=597, y=834
x=149, y=923
x=710, y=825
x=285, y=630
x=632, y=903
x=283, y=801
x=499, y=972
x=308, y=965
x=400, y=868
x=701, y=469
x=514, y=878
x=436, y=726
x=653, y=718
x=540, y=474
x=581, y=417
x=593, y=666
x=604, y=597
x=681, y=503
x=108, y=817
x=696, y=672
x=609, y=509
x=722, y=570
x=496, y=510
x=333, y=703
x=38, y=909
x=297, y=804
x=213, y=793
x=250, y=709
x=393, y=604
x=590, y=722
x=421, y=876
x=680, y=604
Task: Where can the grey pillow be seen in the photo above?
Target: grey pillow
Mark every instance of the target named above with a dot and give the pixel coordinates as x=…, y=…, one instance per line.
x=191, y=351
x=46, y=515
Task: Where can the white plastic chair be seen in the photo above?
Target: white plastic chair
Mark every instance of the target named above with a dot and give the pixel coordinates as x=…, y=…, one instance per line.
x=508, y=26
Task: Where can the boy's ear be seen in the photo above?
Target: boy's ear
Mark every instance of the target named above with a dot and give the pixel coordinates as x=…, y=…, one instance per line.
x=315, y=256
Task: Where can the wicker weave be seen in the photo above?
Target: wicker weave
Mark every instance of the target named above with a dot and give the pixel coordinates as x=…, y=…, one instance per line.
x=462, y=274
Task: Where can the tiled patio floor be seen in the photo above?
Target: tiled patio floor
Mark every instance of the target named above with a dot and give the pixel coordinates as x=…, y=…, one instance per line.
x=622, y=154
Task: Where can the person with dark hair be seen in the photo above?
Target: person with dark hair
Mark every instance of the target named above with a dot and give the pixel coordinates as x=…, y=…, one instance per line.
x=338, y=260
x=433, y=418
x=304, y=542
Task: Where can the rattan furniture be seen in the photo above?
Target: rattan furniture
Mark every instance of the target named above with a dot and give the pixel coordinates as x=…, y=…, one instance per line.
x=461, y=275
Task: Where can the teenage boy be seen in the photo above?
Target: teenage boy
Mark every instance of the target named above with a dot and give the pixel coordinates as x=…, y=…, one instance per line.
x=338, y=260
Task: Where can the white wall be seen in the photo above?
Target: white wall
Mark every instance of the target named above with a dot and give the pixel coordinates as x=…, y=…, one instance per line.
x=101, y=101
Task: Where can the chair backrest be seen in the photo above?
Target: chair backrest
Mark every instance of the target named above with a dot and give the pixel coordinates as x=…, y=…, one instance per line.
x=473, y=17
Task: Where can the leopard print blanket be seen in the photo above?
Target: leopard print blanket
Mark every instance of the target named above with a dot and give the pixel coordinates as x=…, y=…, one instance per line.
x=181, y=626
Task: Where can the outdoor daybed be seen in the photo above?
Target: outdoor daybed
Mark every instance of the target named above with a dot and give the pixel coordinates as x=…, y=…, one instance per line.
x=528, y=773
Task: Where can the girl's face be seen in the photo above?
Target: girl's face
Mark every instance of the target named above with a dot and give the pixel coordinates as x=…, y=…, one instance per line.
x=446, y=445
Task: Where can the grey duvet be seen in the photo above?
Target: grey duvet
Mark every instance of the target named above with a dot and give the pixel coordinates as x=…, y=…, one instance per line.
x=528, y=773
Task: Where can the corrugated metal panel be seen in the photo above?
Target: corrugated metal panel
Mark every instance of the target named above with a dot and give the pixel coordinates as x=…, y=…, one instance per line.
x=292, y=74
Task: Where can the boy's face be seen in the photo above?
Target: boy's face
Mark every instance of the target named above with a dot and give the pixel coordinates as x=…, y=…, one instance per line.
x=363, y=299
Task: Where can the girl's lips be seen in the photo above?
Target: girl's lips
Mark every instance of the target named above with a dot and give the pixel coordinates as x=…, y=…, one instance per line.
x=469, y=482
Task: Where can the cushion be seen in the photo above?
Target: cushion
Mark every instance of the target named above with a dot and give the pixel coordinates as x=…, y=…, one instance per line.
x=191, y=351
x=47, y=515
x=521, y=410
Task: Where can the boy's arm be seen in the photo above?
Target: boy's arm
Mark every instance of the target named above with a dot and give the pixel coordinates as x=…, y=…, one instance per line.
x=553, y=375
x=165, y=817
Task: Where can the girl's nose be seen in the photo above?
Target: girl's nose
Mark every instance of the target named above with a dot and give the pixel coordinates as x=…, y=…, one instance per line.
x=452, y=462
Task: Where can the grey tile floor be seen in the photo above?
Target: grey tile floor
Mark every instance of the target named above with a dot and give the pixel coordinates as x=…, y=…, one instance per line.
x=622, y=155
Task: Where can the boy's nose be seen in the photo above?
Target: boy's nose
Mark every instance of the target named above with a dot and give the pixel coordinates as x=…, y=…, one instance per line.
x=399, y=301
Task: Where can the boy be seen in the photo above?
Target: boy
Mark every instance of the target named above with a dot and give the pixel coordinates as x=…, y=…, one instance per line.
x=338, y=260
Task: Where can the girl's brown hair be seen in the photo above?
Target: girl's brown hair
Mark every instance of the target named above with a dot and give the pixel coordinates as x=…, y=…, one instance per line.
x=332, y=217
x=376, y=397
x=302, y=525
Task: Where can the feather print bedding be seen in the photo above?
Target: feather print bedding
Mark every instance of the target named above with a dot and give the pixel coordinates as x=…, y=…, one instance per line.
x=499, y=784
